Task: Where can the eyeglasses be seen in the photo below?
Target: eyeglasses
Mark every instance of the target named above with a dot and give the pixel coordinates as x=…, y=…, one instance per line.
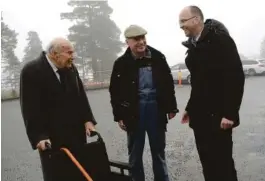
x=182, y=21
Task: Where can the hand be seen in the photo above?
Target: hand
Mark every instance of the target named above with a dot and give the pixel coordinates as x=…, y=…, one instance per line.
x=42, y=144
x=226, y=124
x=122, y=126
x=185, y=118
x=171, y=115
x=89, y=127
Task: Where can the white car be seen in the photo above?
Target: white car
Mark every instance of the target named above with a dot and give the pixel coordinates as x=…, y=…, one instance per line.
x=262, y=61
x=180, y=68
x=254, y=67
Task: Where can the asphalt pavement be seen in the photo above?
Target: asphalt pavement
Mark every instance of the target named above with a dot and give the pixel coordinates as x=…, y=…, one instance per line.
x=21, y=163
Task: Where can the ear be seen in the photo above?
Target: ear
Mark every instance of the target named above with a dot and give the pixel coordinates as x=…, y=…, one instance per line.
x=55, y=55
x=197, y=20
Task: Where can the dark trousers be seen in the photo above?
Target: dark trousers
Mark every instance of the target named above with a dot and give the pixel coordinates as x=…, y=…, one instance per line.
x=149, y=122
x=46, y=166
x=215, y=149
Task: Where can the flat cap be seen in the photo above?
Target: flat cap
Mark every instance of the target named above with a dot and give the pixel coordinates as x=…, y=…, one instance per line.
x=134, y=31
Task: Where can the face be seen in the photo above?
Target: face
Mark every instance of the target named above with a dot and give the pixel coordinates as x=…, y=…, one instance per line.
x=64, y=57
x=188, y=22
x=137, y=44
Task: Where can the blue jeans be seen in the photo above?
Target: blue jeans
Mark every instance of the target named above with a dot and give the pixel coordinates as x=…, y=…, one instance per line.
x=149, y=117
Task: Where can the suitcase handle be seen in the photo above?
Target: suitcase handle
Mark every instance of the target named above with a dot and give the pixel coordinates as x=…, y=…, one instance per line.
x=48, y=145
x=95, y=133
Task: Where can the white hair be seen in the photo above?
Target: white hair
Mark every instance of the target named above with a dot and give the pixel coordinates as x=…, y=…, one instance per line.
x=55, y=45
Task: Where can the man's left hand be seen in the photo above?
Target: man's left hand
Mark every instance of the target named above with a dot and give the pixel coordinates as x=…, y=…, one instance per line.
x=171, y=115
x=226, y=124
x=89, y=127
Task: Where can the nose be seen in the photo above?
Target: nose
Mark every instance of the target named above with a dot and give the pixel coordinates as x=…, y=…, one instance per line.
x=141, y=41
x=74, y=56
x=181, y=25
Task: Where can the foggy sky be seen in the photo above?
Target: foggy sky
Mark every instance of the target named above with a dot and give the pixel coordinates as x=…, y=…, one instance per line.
x=244, y=19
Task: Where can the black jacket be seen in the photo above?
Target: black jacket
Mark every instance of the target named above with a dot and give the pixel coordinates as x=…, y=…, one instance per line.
x=48, y=111
x=217, y=77
x=124, y=87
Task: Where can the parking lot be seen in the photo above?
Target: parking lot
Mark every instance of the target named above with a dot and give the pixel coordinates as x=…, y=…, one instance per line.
x=20, y=162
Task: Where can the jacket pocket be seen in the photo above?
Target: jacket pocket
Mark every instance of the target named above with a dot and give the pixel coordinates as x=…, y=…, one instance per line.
x=215, y=119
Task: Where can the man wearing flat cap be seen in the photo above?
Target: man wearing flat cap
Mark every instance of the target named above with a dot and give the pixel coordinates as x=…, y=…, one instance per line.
x=143, y=100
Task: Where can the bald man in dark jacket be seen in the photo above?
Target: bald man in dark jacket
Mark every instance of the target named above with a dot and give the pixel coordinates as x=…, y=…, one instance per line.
x=217, y=82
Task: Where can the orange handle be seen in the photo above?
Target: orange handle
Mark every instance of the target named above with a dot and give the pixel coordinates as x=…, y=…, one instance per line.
x=79, y=166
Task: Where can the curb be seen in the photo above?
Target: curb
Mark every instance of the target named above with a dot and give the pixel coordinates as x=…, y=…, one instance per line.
x=86, y=89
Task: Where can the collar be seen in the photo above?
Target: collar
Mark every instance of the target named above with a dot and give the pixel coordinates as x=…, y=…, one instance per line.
x=51, y=64
x=198, y=36
x=202, y=34
x=189, y=43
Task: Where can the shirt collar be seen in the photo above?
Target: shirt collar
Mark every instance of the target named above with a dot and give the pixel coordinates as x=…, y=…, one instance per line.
x=196, y=38
x=51, y=64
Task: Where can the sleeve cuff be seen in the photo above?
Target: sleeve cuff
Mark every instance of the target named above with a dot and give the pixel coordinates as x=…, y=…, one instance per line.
x=35, y=142
x=174, y=111
x=92, y=121
x=231, y=117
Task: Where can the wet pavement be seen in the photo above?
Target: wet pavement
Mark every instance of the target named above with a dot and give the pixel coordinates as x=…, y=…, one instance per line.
x=20, y=162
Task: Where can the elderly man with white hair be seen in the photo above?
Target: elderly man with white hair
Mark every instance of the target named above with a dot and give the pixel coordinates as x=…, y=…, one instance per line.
x=53, y=101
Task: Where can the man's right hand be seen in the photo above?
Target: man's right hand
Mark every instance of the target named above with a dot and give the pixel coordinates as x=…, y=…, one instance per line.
x=185, y=118
x=122, y=126
x=42, y=144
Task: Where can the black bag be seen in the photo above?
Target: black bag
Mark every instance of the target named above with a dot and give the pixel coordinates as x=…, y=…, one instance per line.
x=95, y=160
x=92, y=156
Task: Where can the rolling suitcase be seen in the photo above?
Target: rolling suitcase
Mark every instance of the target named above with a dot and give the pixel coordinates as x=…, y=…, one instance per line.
x=88, y=162
x=81, y=163
x=65, y=165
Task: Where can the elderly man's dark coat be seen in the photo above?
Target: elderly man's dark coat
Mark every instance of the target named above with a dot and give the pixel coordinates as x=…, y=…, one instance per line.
x=51, y=111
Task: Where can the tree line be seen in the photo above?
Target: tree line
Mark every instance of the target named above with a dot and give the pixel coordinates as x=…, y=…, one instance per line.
x=95, y=36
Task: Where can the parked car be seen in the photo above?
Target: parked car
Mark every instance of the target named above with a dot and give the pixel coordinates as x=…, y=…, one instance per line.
x=262, y=61
x=185, y=73
x=254, y=67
